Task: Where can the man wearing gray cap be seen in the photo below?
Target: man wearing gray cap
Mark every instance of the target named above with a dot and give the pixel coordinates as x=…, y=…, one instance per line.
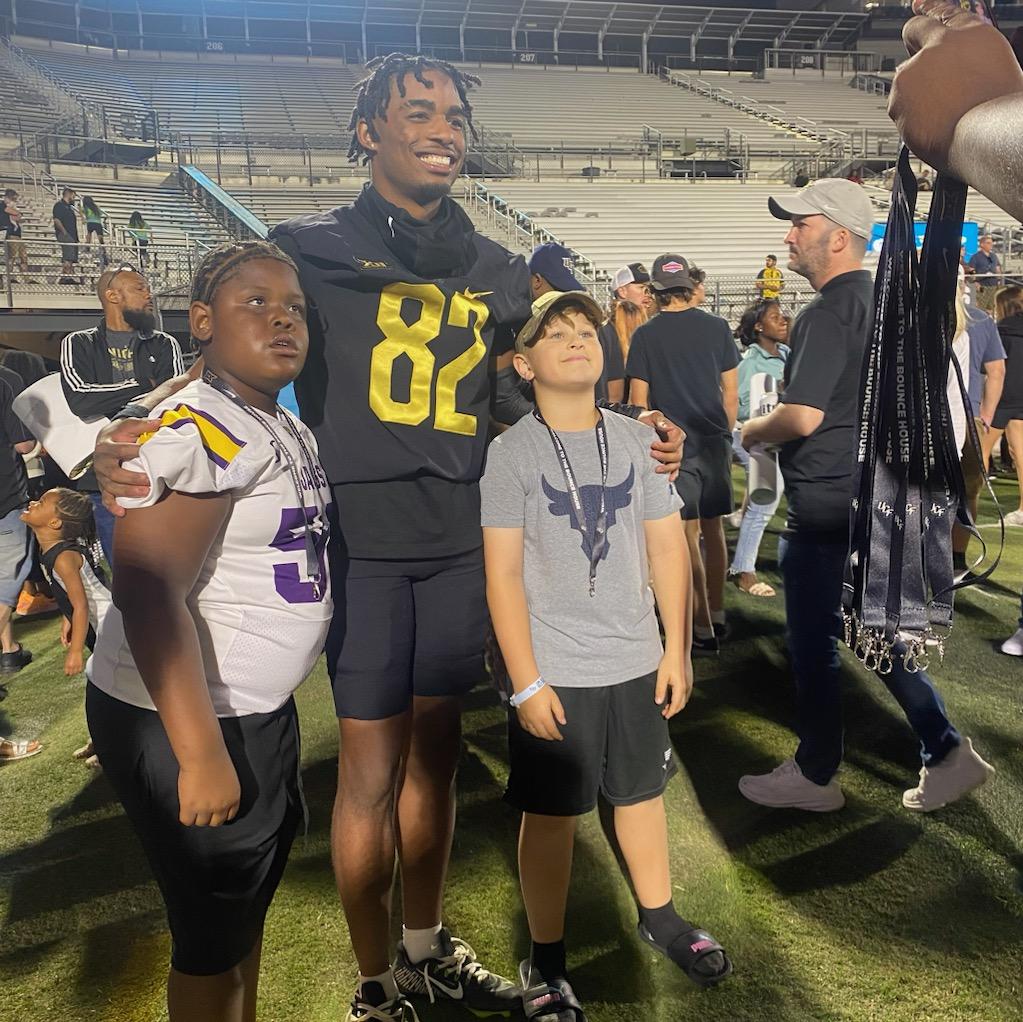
x=815, y=425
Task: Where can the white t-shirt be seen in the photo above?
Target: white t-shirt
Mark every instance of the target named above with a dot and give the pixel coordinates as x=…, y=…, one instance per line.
x=957, y=410
x=261, y=621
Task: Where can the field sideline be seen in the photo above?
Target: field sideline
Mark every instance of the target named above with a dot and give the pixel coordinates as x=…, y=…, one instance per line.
x=868, y=915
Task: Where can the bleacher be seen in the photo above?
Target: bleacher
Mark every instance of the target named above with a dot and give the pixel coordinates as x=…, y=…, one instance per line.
x=24, y=110
x=548, y=106
x=213, y=96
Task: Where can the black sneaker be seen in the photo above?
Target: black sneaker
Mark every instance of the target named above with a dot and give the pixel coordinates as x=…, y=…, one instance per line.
x=706, y=647
x=398, y=1010
x=721, y=631
x=11, y=663
x=456, y=975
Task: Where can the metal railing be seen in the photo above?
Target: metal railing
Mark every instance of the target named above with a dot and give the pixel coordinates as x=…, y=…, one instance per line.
x=31, y=270
x=239, y=221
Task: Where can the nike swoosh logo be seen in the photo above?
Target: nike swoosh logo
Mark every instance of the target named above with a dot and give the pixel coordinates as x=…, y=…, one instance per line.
x=455, y=993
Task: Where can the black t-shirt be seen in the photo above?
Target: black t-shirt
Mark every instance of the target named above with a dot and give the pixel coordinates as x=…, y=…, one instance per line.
x=13, y=478
x=1010, y=330
x=828, y=340
x=614, y=361
x=403, y=318
x=65, y=213
x=682, y=355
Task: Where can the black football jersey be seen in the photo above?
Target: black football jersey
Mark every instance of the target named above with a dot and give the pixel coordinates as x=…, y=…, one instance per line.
x=396, y=385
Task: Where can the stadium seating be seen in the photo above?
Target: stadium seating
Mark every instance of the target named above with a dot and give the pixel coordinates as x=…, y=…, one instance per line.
x=284, y=97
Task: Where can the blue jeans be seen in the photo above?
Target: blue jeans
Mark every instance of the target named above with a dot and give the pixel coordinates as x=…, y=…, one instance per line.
x=104, y=526
x=812, y=569
x=754, y=521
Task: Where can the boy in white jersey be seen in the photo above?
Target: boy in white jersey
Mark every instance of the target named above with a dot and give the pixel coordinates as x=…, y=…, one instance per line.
x=222, y=608
x=575, y=524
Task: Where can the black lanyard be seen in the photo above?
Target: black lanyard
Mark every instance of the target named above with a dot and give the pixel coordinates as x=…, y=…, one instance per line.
x=598, y=542
x=312, y=560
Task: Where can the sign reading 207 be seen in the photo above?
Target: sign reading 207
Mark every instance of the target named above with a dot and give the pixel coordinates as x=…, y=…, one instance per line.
x=413, y=341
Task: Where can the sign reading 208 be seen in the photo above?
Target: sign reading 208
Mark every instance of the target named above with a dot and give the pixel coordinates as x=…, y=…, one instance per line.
x=413, y=340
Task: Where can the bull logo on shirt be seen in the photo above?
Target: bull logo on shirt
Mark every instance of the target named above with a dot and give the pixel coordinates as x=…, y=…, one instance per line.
x=615, y=499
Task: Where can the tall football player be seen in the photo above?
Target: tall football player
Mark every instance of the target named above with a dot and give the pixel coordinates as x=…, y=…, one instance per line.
x=407, y=304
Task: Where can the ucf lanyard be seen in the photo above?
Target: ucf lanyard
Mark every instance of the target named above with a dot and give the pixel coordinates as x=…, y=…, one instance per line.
x=598, y=541
x=312, y=561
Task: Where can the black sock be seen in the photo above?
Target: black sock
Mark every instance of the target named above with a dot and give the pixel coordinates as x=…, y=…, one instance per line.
x=549, y=960
x=664, y=924
x=959, y=561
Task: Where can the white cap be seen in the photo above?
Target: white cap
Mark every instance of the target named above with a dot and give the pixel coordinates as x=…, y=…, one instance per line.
x=843, y=202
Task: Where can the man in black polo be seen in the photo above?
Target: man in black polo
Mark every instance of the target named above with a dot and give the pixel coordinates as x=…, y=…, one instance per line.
x=10, y=230
x=106, y=367
x=815, y=424
x=65, y=229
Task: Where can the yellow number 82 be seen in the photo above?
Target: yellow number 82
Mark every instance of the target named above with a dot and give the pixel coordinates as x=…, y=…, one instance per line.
x=413, y=340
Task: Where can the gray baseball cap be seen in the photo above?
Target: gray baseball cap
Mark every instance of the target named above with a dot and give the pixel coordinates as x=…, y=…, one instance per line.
x=843, y=202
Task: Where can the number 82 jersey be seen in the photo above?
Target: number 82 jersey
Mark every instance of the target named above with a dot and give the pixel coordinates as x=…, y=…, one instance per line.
x=261, y=616
x=396, y=384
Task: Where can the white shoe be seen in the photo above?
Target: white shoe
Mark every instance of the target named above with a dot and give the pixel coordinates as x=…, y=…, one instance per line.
x=785, y=787
x=734, y=520
x=1014, y=518
x=956, y=775
x=1013, y=646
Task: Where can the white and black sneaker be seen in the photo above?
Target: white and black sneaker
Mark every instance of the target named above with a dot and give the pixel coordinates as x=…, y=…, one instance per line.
x=363, y=1008
x=456, y=975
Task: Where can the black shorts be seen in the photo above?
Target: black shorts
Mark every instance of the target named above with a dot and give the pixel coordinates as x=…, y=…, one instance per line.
x=404, y=628
x=705, y=480
x=217, y=882
x=615, y=742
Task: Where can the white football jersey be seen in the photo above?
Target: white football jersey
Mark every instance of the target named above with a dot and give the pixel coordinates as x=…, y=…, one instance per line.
x=261, y=620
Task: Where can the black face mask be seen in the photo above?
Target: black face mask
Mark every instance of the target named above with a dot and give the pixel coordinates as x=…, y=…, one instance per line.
x=141, y=320
x=441, y=247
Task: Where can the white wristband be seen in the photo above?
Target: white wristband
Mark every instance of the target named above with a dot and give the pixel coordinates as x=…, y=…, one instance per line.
x=520, y=697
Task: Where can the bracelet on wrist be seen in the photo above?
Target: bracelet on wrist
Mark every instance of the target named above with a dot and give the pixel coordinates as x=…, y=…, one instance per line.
x=519, y=698
x=134, y=410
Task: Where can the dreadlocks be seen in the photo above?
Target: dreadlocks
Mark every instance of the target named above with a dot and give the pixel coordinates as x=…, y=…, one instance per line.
x=76, y=516
x=223, y=262
x=374, y=91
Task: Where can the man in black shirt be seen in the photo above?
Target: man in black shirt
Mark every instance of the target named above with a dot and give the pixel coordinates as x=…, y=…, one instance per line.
x=65, y=229
x=815, y=424
x=106, y=367
x=685, y=362
x=10, y=226
x=15, y=536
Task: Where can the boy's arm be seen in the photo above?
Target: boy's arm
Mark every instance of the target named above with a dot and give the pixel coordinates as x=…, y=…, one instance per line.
x=68, y=567
x=509, y=612
x=671, y=573
x=151, y=585
x=639, y=393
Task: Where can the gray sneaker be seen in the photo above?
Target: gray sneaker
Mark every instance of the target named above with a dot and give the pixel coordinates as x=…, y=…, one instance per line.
x=785, y=787
x=956, y=775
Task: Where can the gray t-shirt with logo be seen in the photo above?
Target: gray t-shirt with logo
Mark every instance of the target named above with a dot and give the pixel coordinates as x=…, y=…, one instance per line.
x=582, y=641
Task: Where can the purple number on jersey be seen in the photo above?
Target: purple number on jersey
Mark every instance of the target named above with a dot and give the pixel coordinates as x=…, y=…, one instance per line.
x=287, y=580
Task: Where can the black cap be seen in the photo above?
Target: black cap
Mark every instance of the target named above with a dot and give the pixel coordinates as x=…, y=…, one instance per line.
x=671, y=271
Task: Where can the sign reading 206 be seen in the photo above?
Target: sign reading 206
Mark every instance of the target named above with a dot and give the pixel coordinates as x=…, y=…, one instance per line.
x=413, y=340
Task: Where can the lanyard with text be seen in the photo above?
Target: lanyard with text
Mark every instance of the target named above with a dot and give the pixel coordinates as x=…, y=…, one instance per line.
x=313, y=570
x=598, y=541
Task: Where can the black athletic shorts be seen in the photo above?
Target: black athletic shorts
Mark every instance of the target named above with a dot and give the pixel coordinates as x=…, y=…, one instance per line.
x=217, y=882
x=705, y=480
x=615, y=743
x=403, y=628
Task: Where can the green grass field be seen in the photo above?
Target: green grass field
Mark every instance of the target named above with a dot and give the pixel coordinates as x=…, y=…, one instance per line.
x=868, y=915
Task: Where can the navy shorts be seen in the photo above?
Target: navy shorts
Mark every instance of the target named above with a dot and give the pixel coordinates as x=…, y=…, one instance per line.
x=615, y=743
x=217, y=882
x=404, y=628
x=705, y=480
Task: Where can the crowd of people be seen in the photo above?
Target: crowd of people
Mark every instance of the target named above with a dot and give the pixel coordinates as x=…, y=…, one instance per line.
x=477, y=434
x=70, y=219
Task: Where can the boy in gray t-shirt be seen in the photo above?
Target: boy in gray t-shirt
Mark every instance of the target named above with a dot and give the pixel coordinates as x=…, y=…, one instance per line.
x=575, y=524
